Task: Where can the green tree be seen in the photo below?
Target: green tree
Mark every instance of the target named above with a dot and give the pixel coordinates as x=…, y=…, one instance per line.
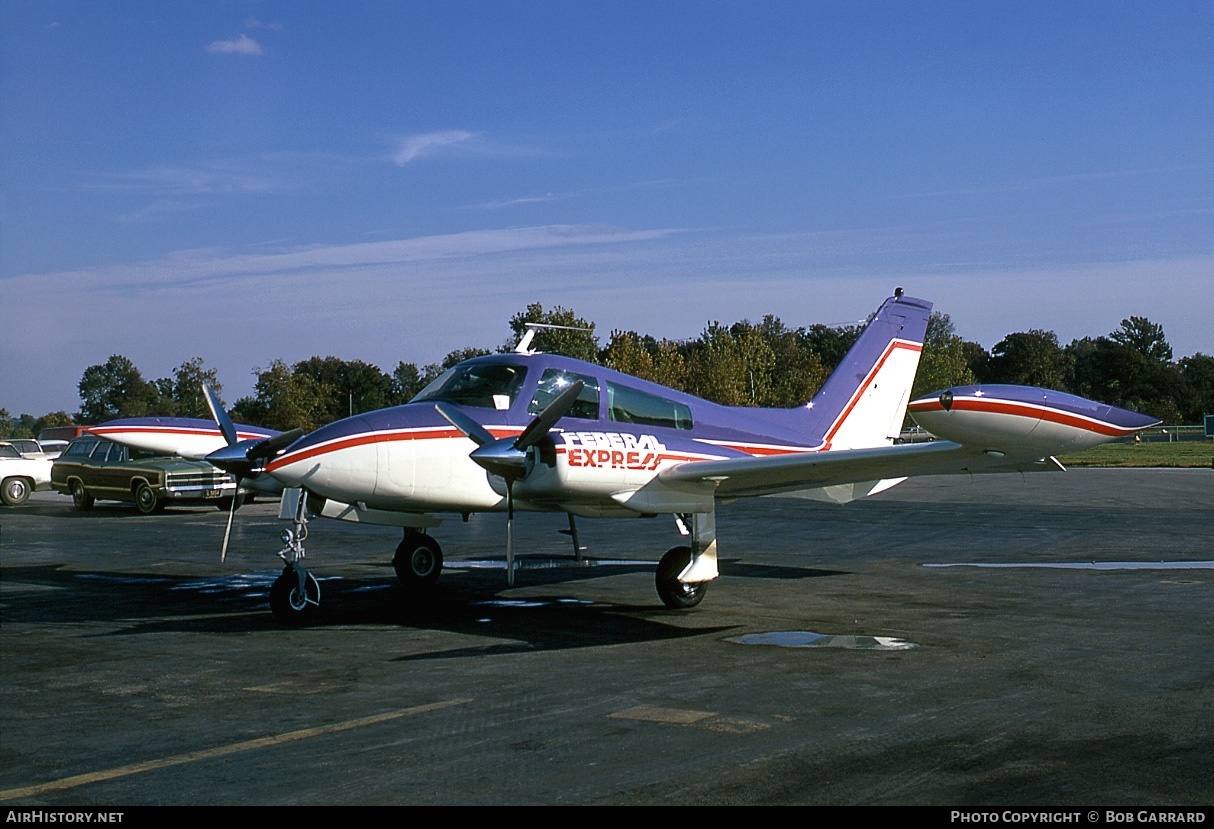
x=943, y=362
x=406, y=383
x=830, y=342
x=1029, y=358
x=185, y=389
x=1197, y=379
x=1121, y=375
x=1145, y=337
x=977, y=360
x=579, y=344
x=798, y=370
x=355, y=386
x=285, y=400
x=116, y=389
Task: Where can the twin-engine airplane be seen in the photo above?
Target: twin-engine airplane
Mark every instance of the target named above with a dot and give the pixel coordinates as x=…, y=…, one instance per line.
x=533, y=431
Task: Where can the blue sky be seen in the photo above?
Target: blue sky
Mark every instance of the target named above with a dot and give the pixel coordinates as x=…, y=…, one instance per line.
x=247, y=181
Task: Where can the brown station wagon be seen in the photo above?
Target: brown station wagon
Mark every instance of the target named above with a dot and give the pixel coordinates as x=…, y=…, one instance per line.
x=94, y=468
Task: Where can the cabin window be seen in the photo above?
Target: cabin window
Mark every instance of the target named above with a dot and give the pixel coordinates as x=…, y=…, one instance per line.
x=556, y=380
x=487, y=385
x=627, y=405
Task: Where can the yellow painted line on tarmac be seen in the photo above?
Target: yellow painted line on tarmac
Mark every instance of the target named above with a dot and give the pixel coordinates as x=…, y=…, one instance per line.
x=222, y=751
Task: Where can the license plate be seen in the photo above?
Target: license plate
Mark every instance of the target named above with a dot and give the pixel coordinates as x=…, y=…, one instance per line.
x=214, y=493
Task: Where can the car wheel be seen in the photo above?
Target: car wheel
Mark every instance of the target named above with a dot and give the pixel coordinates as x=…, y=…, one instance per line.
x=146, y=500
x=81, y=500
x=15, y=491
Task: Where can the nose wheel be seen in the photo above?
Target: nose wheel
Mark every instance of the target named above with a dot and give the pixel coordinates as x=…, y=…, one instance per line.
x=294, y=596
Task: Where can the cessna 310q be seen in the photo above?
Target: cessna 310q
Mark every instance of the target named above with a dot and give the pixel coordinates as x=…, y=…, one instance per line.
x=534, y=431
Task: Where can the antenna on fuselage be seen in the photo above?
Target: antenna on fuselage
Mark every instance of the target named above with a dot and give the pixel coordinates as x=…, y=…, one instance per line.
x=524, y=345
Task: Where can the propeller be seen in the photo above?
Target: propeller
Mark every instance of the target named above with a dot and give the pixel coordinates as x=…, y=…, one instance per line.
x=242, y=458
x=507, y=457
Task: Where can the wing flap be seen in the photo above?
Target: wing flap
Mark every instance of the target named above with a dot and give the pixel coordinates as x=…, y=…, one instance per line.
x=776, y=474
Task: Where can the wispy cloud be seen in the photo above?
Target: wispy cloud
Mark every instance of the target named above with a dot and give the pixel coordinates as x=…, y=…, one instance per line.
x=519, y=202
x=269, y=25
x=412, y=147
x=242, y=44
x=192, y=181
x=1048, y=182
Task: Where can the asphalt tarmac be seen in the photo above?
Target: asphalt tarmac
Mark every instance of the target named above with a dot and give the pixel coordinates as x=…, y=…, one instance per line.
x=834, y=662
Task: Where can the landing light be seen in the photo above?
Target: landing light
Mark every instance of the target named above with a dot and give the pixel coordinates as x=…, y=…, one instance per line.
x=286, y=537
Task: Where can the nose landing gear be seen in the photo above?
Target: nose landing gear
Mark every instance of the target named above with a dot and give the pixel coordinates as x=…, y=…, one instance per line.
x=296, y=593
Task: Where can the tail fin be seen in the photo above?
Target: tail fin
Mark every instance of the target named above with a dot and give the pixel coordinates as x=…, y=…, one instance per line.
x=863, y=402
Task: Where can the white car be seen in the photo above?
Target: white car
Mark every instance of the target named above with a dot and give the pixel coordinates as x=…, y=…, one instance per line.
x=19, y=475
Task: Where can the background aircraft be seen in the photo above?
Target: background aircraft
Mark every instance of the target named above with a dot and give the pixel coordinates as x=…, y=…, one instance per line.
x=539, y=432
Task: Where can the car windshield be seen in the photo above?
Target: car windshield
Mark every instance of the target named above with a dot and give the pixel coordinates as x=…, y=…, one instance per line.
x=7, y=451
x=488, y=385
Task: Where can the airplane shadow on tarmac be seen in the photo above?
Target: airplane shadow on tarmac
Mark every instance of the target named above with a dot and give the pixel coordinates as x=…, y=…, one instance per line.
x=464, y=602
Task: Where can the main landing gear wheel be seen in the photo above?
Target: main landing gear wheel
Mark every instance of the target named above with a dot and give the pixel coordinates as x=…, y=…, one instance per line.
x=81, y=500
x=418, y=560
x=289, y=605
x=147, y=501
x=15, y=491
x=676, y=594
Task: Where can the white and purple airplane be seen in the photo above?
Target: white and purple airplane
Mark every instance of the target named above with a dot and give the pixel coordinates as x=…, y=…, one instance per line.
x=541, y=432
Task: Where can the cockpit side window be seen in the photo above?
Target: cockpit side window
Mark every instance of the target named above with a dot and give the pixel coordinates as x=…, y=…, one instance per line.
x=488, y=385
x=556, y=380
x=625, y=405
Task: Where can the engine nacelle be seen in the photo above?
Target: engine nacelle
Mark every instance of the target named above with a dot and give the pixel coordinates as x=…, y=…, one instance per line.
x=594, y=467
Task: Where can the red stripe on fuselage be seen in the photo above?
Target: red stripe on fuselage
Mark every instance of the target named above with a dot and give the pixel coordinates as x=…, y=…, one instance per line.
x=365, y=438
x=103, y=431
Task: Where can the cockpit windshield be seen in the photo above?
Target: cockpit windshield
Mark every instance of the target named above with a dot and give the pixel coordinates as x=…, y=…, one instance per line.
x=488, y=385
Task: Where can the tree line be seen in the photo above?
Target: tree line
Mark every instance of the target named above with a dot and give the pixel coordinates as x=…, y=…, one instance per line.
x=743, y=364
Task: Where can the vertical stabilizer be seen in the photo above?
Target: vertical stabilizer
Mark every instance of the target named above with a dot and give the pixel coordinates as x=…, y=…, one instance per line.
x=862, y=404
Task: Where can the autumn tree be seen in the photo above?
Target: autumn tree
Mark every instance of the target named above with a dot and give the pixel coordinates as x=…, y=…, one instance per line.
x=731, y=366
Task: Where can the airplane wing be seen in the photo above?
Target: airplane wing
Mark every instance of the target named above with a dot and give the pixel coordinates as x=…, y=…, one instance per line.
x=782, y=474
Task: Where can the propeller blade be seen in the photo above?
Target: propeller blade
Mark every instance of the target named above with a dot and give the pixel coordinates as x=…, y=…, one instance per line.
x=226, y=426
x=545, y=420
x=472, y=430
x=270, y=446
x=509, y=532
x=223, y=551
